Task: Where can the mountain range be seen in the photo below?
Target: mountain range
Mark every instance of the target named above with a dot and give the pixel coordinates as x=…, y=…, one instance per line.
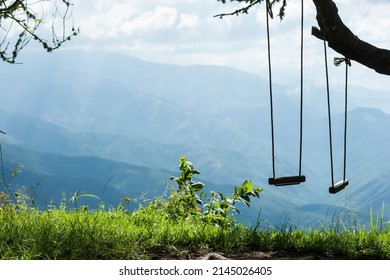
x=115, y=125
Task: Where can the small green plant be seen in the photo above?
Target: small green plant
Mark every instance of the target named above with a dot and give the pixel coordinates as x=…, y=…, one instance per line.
x=9, y=195
x=188, y=201
x=79, y=194
x=124, y=203
x=184, y=202
x=4, y=200
x=220, y=209
x=377, y=225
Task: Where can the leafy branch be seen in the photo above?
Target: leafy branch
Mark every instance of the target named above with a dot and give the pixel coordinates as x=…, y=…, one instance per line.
x=18, y=16
x=189, y=202
x=250, y=4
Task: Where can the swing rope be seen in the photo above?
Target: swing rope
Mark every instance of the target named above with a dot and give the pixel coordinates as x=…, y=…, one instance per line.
x=301, y=104
x=337, y=61
x=292, y=180
x=268, y=15
x=329, y=113
x=347, y=65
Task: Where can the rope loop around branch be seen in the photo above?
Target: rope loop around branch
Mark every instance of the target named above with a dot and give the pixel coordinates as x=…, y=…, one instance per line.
x=269, y=9
x=347, y=59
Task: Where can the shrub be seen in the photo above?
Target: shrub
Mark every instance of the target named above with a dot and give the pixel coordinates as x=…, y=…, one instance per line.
x=188, y=201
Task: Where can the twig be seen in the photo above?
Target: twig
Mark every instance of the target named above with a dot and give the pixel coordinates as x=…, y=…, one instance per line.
x=243, y=10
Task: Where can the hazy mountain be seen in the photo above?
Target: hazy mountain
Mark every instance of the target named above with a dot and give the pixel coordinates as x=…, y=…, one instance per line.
x=85, y=107
x=52, y=177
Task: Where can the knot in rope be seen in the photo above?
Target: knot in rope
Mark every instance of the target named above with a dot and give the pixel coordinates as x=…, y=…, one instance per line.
x=338, y=60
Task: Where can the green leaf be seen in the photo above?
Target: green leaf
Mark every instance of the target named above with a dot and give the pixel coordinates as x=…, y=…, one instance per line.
x=89, y=195
x=197, y=186
x=194, y=171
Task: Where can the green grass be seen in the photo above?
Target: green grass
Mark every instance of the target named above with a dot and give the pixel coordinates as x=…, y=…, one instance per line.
x=184, y=222
x=149, y=234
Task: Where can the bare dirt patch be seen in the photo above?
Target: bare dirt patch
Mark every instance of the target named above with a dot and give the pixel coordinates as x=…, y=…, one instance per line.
x=258, y=255
x=164, y=253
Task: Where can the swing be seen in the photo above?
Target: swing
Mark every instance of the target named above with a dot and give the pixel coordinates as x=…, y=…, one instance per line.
x=289, y=180
x=335, y=188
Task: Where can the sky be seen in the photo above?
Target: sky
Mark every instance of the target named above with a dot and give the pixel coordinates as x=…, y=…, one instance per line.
x=186, y=32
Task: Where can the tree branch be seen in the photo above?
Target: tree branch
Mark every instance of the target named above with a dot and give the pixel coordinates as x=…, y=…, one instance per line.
x=252, y=3
x=334, y=31
x=19, y=17
x=237, y=12
x=342, y=40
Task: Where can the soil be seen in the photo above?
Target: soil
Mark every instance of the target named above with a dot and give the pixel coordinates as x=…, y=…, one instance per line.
x=256, y=255
x=163, y=253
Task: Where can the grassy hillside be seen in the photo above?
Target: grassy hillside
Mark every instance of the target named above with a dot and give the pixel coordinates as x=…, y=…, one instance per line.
x=150, y=234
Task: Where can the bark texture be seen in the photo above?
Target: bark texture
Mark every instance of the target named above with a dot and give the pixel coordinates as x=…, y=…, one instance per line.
x=341, y=39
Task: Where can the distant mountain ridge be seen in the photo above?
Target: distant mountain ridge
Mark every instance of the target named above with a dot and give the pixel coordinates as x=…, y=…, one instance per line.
x=52, y=177
x=133, y=115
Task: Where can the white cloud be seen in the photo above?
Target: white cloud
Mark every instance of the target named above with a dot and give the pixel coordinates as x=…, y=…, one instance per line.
x=371, y=23
x=159, y=18
x=188, y=21
x=185, y=32
x=176, y=2
x=124, y=19
x=102, y=21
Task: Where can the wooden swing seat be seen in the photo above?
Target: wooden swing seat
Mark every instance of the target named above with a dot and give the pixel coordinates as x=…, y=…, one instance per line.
x=338, y=187
x=286, y=181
